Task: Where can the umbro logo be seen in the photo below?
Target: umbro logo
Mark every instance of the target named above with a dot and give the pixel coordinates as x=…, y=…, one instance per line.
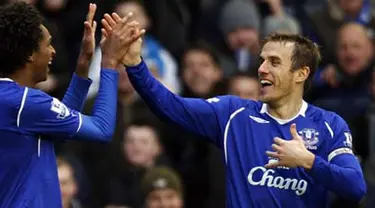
x=259, y=120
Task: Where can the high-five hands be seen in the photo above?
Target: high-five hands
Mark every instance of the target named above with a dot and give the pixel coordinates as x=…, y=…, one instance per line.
x=133, y=55
x=88, y=43
x=118, y=39
x=291, y=153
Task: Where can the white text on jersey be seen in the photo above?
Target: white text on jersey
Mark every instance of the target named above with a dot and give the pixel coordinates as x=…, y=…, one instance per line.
x=299, y=186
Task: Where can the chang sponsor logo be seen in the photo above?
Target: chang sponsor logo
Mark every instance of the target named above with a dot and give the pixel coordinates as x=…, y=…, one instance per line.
x=268, y=179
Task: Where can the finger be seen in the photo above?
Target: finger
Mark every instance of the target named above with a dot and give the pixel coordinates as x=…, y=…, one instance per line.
x=106, y=26
x=91, y=13
x=278, y=140
x=272, y=165
x=94, y=26
x=129, y=29
x=273, y=154
x=104, y=33
x=276, y=147
x=110, y=21
x=116, y=17
x=87, y=28
x=126, y=18
x=138, y=34
x=293, y=131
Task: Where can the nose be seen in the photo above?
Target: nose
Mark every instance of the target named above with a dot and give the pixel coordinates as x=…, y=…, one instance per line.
x=53, y=51
x=263, y=69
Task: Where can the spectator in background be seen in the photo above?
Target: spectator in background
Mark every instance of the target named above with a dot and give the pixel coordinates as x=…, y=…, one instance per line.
x=201, y=71
x=162, y=188
x=141, y=150
x=279, y=21
x=68, y=184
x=245, y=86
x=326, y=21
x=345, y=86
x=240, y=24
x=161, y=62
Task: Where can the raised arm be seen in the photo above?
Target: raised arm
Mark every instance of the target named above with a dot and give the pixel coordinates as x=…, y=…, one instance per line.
x=79, y=86
x=204, y=117
x=48, y=116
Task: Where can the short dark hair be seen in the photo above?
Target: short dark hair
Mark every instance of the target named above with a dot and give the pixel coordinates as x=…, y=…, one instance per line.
x=20, y=34
x=305, y=53
x=203, y=46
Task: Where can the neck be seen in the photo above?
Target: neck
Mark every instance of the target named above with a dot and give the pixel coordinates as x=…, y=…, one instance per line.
x=23, y=77
x=286, y=108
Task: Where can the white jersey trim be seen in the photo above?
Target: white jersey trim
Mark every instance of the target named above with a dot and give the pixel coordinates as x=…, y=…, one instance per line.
x=339, y=151
x=329, y=129
x=226, y=132
x=80, y=122
x=22, y=105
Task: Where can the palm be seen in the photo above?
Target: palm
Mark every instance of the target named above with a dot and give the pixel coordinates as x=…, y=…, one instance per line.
x=88, y=40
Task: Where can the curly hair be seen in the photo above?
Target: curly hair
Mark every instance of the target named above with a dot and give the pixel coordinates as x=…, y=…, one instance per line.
x=20, y=34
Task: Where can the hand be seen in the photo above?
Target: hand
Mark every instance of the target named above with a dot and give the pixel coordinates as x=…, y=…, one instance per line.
x=329, y=75
x=133, y=55
x=292, y=153
x=88, y=43
x=118, y=40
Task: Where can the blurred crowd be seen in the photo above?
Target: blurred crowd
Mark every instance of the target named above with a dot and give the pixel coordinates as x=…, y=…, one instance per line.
x=203, y=48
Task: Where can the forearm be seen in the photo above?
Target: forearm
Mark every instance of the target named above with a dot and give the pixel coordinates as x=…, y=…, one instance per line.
x=100, y=126
x=344, y=177
x=162, y=101
x=77, y=91
x=185, y=112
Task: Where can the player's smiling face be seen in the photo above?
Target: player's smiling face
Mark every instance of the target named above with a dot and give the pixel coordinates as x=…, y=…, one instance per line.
x=275, y=74
x=42, y=58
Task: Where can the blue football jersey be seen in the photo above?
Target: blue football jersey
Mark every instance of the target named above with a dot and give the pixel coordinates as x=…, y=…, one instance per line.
x=28, y=171
x=244, y=131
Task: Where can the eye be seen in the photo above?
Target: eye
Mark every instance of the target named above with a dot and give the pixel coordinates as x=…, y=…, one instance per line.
x=275, y=63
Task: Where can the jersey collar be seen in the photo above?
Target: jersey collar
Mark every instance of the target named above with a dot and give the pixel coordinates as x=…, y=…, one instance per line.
x=302, y=112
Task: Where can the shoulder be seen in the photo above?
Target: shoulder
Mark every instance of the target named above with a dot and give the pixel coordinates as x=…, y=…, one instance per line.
x=331, y=120
x=36, y=96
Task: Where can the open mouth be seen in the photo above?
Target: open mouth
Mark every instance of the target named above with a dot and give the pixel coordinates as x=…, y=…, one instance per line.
x=265, y=83
x=50, y=63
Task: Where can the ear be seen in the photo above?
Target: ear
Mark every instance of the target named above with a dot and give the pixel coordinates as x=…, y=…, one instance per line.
x=31, y=58
x=302, y=74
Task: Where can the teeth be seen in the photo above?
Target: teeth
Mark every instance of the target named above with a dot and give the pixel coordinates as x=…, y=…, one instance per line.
x=263, y=82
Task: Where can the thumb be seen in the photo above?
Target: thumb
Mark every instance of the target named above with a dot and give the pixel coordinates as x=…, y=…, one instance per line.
x=293, y=131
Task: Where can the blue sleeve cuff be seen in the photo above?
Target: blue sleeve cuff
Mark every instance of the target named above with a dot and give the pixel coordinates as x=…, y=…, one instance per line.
x=78, y=81
x=139, y=73
x=108, y=70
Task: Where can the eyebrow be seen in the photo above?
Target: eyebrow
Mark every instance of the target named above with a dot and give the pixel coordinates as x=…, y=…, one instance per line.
x=272, y=57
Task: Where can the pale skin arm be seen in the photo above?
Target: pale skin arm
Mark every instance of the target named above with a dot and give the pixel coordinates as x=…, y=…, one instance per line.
x=291, y=153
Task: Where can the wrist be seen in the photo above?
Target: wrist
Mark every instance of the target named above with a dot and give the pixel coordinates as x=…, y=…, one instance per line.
x=132, y=62
x=307, y=161
x=109, y=63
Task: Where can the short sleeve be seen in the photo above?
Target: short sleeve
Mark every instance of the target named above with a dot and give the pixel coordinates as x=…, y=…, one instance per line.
x=46, y=115
x=341, y=137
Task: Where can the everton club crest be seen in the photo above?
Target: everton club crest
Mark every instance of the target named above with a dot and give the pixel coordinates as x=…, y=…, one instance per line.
x=310, y=138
